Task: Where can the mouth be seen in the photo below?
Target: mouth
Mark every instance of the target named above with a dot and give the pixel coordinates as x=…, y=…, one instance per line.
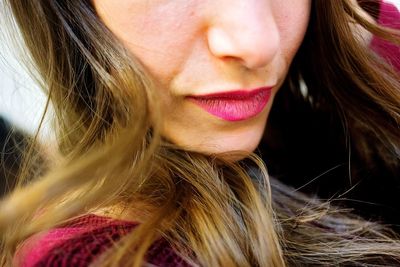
x=235, y=105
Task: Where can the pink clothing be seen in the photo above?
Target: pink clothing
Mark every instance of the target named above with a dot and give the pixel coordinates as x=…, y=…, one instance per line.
x=80, y=242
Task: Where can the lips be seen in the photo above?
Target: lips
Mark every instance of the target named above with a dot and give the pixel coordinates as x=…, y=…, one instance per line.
x=236, y=105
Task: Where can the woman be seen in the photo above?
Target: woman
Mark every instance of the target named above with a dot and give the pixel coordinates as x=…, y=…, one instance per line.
x=160, y=105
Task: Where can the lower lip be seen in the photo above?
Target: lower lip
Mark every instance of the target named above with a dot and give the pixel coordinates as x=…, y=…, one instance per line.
x=237, y=106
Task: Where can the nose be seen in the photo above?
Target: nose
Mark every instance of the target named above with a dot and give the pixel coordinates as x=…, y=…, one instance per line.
x=244, y=30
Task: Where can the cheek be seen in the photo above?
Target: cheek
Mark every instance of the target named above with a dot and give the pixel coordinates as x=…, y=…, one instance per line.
x=162, y=52
x=292, y=18
x=161, y=55
x=159, y=41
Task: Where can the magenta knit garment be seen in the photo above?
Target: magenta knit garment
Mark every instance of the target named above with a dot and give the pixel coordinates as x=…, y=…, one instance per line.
x=80, y=242
x=389, y=16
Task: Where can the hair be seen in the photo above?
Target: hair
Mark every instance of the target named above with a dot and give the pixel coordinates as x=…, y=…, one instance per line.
x=214, y=212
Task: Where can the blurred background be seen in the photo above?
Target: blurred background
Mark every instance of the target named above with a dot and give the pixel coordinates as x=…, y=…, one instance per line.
x=21, y=101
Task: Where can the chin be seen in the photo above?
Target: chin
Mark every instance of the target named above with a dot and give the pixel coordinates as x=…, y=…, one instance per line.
x=229, y=150
x=235, y=142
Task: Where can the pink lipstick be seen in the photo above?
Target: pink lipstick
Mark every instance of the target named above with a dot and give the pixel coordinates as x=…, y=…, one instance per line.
x=235, y=105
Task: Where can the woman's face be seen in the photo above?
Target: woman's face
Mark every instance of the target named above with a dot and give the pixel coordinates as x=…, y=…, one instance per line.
x=217, y=63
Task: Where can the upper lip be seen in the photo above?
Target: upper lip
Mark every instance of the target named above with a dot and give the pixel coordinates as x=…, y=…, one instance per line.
x=235, y=94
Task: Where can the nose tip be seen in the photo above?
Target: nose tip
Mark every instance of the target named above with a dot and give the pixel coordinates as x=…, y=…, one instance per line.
x=253, y=48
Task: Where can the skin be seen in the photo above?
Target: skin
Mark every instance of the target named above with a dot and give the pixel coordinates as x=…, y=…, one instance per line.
x=196, y=47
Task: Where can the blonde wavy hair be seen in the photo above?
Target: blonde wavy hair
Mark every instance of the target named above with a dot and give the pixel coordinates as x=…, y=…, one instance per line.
x=115, y=162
